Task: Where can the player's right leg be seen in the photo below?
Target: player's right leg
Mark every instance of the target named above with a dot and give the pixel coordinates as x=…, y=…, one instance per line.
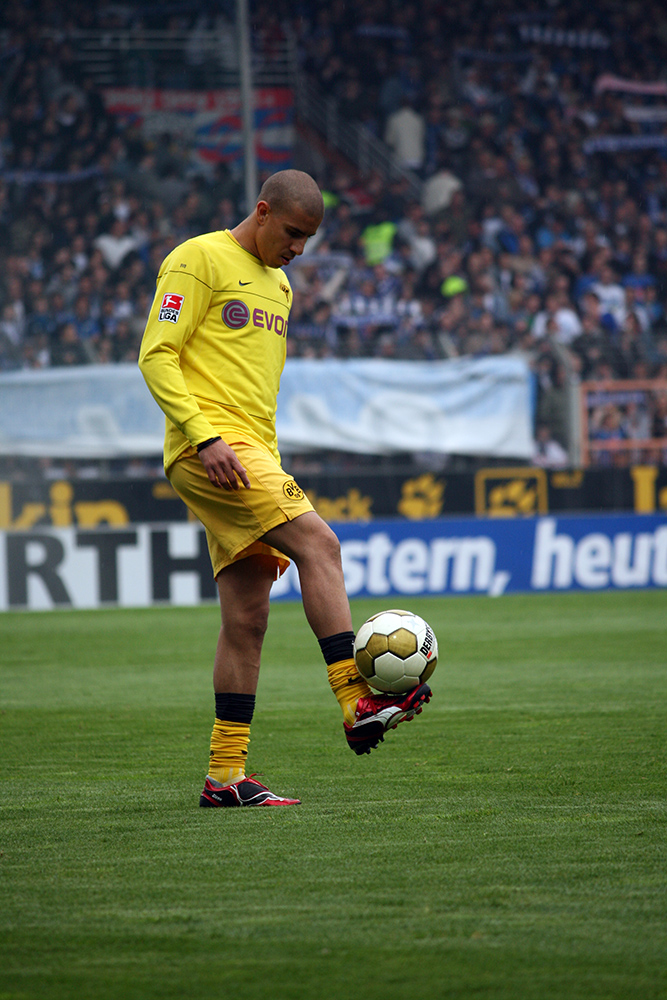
x=244, y=588
x=245, y=570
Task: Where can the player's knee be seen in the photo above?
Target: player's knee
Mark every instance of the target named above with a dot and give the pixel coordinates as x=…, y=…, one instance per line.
x=307, y=539
x=328, y=544
x=249, y=622
x=254, y=635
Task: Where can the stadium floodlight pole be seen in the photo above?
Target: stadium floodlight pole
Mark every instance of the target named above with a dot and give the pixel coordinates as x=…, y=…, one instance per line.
x=247, y=103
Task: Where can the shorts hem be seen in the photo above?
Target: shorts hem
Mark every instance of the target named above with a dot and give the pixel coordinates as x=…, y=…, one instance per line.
x=280, y=559
x=233, y=536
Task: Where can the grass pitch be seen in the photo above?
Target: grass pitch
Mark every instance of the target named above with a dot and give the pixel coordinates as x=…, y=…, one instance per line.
x=509, y=843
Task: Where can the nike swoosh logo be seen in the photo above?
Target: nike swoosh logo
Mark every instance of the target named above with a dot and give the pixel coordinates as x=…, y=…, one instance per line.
x=245, y=282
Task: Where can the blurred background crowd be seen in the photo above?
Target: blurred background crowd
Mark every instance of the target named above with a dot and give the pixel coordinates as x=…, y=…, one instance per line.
x=531, y=212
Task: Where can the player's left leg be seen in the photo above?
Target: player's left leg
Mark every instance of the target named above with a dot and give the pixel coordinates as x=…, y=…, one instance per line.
x=315, y=549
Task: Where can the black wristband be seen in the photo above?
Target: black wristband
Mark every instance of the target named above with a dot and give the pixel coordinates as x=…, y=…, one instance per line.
x=205, y=444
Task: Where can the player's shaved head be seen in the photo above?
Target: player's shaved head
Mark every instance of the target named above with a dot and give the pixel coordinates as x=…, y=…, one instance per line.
x=292, y=189
x=288, y=212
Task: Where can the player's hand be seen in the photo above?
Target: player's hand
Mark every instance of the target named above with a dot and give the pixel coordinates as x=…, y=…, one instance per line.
x=223, y=467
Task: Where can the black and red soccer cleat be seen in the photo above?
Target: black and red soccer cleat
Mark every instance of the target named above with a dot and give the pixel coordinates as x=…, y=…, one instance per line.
x=244, y=792
x=377, y=713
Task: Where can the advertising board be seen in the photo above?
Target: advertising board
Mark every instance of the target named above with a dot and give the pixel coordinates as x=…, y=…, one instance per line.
x=145, y=564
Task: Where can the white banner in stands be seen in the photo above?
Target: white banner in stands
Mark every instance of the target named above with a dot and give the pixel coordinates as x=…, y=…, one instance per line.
x=469, y=406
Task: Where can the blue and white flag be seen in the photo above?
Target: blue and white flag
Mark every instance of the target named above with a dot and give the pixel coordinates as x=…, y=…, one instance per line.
x=468, y=406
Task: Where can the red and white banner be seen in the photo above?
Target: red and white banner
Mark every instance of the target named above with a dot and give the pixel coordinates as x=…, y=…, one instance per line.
x=211, y=120
x=608, y=81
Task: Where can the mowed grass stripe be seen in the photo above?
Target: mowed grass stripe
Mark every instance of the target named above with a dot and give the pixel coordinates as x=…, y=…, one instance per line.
x=510, y=842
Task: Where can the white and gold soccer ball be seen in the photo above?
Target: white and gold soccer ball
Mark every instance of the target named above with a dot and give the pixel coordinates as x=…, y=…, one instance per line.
x=395, y=650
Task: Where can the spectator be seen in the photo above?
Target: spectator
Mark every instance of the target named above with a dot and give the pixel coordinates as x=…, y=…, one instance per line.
x=558, y=319
x=548, y=454
x=116, y=244
x=68, y=349
x=86, y=326
x=439, y=190
x=405, y=134
x=607, y=425
x=40, y=322
x=610, y=294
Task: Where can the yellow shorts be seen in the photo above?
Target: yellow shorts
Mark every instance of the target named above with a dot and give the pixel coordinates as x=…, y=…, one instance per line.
x=235, y=520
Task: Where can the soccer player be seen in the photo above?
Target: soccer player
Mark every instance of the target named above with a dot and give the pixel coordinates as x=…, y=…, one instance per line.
x=212, y=355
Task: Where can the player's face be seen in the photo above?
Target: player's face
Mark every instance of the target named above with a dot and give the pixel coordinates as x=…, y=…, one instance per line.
x=281, y=236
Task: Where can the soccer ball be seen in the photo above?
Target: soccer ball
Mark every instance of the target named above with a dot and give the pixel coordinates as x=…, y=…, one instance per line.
x=395, y=650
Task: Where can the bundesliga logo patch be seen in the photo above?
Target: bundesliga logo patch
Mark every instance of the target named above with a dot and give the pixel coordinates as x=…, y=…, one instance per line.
x=170, y=309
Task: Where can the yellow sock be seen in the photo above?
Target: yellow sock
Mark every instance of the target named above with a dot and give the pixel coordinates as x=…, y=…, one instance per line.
x=348, y=685
x=229, y=749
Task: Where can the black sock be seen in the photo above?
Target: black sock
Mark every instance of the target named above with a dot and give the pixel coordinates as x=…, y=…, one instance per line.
x=337, y=647
x=232, y=707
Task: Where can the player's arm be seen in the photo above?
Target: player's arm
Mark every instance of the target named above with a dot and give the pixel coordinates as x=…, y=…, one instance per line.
x=180, y=305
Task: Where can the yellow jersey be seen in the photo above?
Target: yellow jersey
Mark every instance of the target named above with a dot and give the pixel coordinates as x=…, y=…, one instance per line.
x=214, y=346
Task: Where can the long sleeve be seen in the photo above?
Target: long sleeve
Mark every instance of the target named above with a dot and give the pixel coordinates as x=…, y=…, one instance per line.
x=181, y=301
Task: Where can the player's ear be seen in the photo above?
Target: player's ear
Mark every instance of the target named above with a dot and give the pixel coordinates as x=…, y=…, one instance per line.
x=262, y=212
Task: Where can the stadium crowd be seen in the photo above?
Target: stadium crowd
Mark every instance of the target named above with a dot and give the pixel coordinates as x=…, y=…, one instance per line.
x=538, y=135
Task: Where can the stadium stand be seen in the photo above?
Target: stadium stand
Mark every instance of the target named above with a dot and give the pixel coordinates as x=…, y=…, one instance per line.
x=531, y=213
